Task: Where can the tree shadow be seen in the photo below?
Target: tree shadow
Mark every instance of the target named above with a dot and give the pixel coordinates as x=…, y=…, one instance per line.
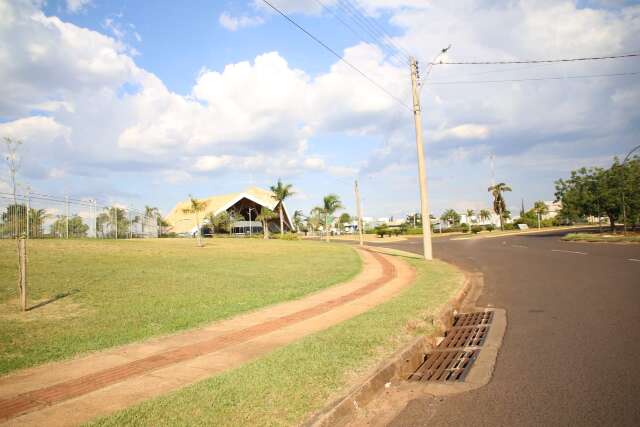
x=54, y=299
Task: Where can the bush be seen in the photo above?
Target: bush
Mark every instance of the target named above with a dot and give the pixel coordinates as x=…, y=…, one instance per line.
x=285, y=236
x=381, y=230
x=413, y=231
x=476, y=229
x=490, y=227
x=509, y=227
x=464, y=227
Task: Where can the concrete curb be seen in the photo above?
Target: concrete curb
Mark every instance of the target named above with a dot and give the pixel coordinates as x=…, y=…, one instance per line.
x=398, y=367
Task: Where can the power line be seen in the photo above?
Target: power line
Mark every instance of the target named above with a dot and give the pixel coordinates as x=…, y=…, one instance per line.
x=590, y=76
x=336, y=54
x=540, y=61
x=377, y=27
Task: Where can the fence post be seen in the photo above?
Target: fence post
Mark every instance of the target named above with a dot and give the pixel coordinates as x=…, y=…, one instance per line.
x=95, y=219
x=28, y=211
x=22, y=279
x=66, y=205
x=129, y=215
x=115, y=215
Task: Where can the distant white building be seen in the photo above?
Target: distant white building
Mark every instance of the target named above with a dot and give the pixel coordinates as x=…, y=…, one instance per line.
x=553, y=209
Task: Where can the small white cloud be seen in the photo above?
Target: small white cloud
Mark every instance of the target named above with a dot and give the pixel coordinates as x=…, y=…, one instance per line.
x=466, y=131
x=233, y=23
x=77, y=6
x=211, y=163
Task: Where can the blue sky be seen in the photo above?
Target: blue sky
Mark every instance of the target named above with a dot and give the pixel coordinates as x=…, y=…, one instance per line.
x=143, y=104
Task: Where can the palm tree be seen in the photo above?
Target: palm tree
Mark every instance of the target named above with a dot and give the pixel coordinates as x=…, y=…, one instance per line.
x=451, y=216
x=298, y=219
x=499, y=205
x=484, y=215
x=330, y=205
x=149, y=212
x=540, y=208
x=196, y=206
x=470, y=213
x=265, y=215
x=315, y=218
x=280, y=193
x=37, y=218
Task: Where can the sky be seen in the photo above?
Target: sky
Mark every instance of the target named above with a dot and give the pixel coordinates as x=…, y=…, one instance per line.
x=141, y=103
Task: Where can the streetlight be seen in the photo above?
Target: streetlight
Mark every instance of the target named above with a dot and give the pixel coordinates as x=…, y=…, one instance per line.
x=250, y=222
x=624, y=176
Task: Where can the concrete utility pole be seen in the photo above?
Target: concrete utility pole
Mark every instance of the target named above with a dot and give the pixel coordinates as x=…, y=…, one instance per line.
x=424, y=194
x=359, y=209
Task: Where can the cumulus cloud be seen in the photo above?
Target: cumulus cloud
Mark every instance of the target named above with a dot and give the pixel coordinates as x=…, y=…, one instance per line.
x=233, y=23
x=76, y=6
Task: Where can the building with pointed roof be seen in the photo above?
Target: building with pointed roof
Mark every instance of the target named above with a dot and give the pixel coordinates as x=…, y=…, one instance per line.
x=245, y=206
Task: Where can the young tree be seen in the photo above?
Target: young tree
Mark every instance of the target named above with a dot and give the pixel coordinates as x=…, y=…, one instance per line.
x=499, y=205
x=470, y=213
x=298, y=219
x=280, y=193
x=331, y=204
x=264, y=217
x=540, y=208
x=345, y=218
x=484, y=215
x=195, y=207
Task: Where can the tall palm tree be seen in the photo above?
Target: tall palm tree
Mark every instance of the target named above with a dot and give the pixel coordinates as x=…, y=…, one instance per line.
x=540, y=209
x=265, y=215
x=196, y=206
x=330, y=204
x=280, y=193
x=470, y=213
x=37, y=218
x=484, y=215
x=499, y=206
x=315, y=218
x=149, y=213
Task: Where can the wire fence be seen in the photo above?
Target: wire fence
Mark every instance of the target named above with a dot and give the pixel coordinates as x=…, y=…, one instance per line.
x=39, y=216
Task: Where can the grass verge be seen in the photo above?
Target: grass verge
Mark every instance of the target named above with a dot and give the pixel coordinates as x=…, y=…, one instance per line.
x=287, y=385
x=90, y=295
x=602, y=238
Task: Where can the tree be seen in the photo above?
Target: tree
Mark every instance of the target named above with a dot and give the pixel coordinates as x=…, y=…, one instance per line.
x=484, y=215
x=540, y=208
x=330, y=205
x=280, y=193
x=298, y=219
x=220, y=223
x=37, y=217
x=264, y=217
x=470, y=213
x=450, y=216
x=345, y=218
x=499, y=205
x=196, y=206
x=315, y=218
x=77, y=228
x=150, y=213
x=414, y=219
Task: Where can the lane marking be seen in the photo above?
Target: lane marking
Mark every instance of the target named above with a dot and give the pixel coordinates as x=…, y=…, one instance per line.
x=520, y=246
x=633, y=259
x=569, y=252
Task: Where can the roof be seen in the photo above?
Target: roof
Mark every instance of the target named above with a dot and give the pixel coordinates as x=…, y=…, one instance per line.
x=182, y=222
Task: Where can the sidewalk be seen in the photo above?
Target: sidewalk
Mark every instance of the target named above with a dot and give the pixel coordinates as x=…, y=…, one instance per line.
x=72, y=392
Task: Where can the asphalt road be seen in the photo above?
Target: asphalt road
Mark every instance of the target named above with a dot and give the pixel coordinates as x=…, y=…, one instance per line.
x=571, y=353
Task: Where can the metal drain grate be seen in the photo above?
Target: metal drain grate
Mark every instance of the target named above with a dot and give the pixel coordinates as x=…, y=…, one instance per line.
x=465, y=337
x=473, y=319
x=445, y=366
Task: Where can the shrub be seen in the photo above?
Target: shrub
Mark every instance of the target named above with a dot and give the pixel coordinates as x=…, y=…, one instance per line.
x=285, y=236
x=464, y=227
x=509, y=227
x=381, y=230
x=476, y=229
x=490, y=227
x=410, y=231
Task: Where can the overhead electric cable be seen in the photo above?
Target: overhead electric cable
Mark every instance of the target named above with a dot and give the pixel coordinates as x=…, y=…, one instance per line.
x=539, y=61
x=590, y=76
x=336, y=54
x=380, y=28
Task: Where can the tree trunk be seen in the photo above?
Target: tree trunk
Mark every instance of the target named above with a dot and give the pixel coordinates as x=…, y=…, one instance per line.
x=326, y=222
x=281, y=220
x=612, y=223
x=265, y=230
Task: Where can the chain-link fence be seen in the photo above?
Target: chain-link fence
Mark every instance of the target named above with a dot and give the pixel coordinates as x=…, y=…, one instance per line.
x=39, y=216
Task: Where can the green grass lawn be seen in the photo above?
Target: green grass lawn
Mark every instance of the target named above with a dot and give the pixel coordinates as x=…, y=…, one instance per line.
x=289, y=384
x=596, y=237
x=115, y=292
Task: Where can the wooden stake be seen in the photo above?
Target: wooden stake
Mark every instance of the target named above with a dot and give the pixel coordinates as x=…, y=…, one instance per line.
x=22, y=257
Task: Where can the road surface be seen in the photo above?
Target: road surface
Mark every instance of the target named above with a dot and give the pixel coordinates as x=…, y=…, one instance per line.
x=571, y=353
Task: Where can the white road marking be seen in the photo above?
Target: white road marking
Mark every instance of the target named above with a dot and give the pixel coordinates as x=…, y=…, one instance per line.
x=633, y=259
x=520, y=246
x=569, y=252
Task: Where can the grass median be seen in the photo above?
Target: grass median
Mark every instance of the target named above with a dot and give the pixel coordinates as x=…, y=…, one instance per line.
x=603, y=238
x=289, y=384
x=89, y=295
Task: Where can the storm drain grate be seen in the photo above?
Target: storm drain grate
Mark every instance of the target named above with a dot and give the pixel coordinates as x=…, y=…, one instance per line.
x=445, y=366
x=464, y=337
x=473, y=319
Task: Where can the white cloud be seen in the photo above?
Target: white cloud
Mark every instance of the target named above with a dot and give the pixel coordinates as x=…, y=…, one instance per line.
x=76, y=6
x=233, y=23
x=465, y=131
